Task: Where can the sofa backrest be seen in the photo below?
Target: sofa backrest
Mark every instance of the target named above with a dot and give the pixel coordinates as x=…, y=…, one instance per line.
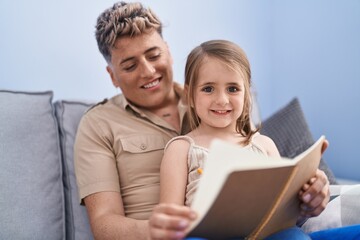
x=31, y=190
x=288, y=128
x=68, y=114
x=38, y=196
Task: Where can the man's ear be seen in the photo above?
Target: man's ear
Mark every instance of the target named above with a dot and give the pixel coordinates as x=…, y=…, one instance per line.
x=113, y=79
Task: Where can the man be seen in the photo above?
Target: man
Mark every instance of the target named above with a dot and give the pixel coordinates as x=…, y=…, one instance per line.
x=120, y=142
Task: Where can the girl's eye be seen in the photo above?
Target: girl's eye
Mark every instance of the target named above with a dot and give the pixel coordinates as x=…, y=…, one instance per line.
x=207, y=89
x=233, y=89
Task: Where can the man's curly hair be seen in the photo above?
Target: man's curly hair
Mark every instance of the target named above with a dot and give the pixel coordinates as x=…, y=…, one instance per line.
x=124, y=19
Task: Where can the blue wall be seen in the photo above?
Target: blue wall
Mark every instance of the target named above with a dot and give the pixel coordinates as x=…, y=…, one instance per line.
x=314, y=53
x=309, y=49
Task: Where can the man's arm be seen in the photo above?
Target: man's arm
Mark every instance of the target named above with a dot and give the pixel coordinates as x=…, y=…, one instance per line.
x=108, y=221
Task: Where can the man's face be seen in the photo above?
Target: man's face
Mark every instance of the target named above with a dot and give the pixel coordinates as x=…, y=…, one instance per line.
x=142, y=67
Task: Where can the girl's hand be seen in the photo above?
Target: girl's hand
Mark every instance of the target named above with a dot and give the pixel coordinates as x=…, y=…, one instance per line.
x=170, y=221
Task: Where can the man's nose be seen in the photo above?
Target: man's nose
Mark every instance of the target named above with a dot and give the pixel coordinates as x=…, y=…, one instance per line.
x=147, y=69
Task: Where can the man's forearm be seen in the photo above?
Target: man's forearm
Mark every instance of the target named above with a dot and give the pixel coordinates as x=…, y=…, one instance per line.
x=119, y=227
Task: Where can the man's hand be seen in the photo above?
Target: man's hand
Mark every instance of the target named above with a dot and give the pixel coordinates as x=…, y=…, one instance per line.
x=314, y=195
x=170, y=221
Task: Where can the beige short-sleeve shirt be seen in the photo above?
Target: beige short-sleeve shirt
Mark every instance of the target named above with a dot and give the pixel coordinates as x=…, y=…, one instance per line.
x=119, y=148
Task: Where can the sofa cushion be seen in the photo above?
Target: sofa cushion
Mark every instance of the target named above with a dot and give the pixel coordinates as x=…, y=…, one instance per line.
x=31, y=197
x=289, y=130
x=69, y=114
x=343, y=210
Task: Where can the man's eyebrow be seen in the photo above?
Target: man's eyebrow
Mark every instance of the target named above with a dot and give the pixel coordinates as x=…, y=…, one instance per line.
x=147, y=51
x=152, y=49
x=126, y=59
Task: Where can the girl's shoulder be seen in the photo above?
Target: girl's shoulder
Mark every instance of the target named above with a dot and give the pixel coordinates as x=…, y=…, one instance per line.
x=180, y=141
x=261, y=139
x=266, y=143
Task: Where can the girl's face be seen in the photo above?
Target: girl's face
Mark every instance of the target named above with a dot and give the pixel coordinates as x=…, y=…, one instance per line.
x=218, y=95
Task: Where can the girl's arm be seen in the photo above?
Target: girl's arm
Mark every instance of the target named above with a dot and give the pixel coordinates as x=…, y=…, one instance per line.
x=174, y=173
x=171, y=218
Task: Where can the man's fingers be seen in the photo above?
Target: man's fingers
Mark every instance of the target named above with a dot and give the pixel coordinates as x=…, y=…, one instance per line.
x=324, y=146
x=165, y=221
x=175, y=210
x=170, y=221
x=317, y=185
x=159, y=233
x=317, y=204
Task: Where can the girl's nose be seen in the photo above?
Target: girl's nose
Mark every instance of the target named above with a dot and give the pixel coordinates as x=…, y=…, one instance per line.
x=221, y=99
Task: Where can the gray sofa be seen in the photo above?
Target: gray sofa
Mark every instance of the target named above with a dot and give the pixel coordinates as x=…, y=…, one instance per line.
x=38, y=193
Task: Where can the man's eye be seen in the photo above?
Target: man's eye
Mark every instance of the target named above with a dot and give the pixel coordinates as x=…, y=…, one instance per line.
x=129, y=68
x=233, y=89
x=207, y=89
x=155, y=57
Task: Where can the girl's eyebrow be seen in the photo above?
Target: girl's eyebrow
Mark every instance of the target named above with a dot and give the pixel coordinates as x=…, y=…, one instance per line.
x=207, y=83
x=214, y=83
x=233, y=83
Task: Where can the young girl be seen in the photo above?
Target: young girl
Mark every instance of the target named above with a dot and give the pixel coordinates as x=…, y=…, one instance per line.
x=217, y=87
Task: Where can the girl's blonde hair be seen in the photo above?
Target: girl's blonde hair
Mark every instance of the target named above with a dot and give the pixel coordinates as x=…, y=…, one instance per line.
x=235, y=59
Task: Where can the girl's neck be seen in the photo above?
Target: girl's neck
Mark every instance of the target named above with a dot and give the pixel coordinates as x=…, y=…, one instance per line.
x=204, y=135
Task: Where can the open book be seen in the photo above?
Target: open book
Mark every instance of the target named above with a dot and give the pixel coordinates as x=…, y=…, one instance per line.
x=245, y=194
